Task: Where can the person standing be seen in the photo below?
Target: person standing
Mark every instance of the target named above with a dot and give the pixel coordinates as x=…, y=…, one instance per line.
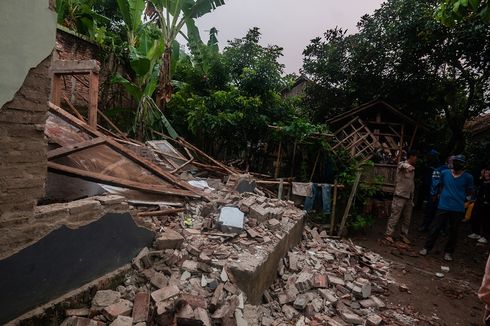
x=480, y=221
x=402, y=204
x=484, y=293
x=455, y=185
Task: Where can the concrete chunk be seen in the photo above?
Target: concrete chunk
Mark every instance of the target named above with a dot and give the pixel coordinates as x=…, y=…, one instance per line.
x=104, y=298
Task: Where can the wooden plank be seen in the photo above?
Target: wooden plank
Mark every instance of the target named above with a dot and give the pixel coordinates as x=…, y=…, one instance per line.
x=162, y=212
x=334, y=208
x=56, y=89
x=118, y=182
x=345, y=126
x=72, y=67
x=151, y=167
x=93, y=99
x=349, y=203
x=413, y=137
x=184, y=143
x=67, y=150
x=72, y=107
x=278, y=161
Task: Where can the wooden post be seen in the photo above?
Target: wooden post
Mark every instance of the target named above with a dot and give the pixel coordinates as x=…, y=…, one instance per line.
x=413, y=136
x=314, y=166
x=334, y=207
x=278, y=161
x=294, y=157
x=93, y=98
x=402, y=139
x=349, y=203
x=56, y=89
x=281, y=187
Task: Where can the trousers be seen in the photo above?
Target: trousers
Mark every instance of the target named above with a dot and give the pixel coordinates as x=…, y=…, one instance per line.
x=400, y=207
x=453, y=220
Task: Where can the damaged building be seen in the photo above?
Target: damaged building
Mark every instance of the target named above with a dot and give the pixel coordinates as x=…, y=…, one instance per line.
x=100, y=229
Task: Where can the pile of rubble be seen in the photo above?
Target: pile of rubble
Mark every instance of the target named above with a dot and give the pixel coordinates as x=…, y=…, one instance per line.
x=226, y=262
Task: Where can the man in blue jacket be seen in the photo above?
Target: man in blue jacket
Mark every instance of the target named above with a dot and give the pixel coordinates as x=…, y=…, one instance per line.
x=454, y=184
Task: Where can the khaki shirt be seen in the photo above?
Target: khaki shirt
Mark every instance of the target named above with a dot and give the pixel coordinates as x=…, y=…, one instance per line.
x=405, y=184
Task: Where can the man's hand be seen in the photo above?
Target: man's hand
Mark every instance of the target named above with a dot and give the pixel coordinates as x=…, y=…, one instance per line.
x=411, y=168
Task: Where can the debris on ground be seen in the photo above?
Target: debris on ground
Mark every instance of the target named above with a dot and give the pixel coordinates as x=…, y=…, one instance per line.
x=189, y=276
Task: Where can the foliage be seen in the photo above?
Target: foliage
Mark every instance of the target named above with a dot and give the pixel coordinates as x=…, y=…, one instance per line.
x=450, y=12
x=403, y=55
x=172, y=16
x=99, y=20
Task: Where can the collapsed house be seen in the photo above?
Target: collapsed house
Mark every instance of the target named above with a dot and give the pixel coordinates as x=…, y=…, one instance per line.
x=100, y=229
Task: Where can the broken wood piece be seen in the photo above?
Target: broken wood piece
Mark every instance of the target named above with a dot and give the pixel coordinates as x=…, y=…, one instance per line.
x=162, y=212
x=72, y=107
x=118, y=182
x=202, y=153
x=349, y=203
x=67, y=150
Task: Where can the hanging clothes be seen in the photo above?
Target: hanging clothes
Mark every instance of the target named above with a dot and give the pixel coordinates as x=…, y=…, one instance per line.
x=323, y=193
x=327, y=199
x=302, y=189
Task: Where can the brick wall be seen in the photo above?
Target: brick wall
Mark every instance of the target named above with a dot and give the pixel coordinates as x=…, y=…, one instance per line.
x=23, y=148
x=72, y=47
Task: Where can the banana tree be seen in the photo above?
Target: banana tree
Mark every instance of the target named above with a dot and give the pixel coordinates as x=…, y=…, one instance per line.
x=145, y=48
x=172, y=16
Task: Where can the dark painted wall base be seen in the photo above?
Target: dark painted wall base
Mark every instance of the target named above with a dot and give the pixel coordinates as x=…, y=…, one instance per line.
x=66, y=259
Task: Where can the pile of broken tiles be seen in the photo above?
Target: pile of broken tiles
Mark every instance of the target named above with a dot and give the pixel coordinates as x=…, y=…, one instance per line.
x=185, y=278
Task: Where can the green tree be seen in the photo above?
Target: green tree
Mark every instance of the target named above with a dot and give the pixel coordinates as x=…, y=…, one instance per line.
x=450, y=12
x=172, y=16
x=403, y=55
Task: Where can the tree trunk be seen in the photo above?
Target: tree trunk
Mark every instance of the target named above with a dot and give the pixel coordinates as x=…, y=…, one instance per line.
x=165, y=89
x=456, y=143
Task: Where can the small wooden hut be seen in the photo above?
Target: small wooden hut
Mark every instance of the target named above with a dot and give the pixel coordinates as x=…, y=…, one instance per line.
x=379, y=132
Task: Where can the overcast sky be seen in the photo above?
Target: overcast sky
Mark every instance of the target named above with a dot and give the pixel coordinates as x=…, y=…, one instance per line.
x=290, y=24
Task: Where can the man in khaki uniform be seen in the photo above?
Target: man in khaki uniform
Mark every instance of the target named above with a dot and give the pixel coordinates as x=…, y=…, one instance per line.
x=402, y=204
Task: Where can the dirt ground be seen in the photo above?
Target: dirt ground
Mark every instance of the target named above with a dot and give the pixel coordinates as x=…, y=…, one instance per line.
x=450, y=300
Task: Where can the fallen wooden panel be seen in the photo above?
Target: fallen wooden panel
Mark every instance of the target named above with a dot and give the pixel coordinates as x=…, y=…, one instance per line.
x=98, y=177
x=91, y=155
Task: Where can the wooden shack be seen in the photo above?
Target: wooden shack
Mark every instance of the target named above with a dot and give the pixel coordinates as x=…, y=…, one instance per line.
x=379, y=132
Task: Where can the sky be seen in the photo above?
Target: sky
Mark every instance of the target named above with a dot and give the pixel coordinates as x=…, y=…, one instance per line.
x=290, y=24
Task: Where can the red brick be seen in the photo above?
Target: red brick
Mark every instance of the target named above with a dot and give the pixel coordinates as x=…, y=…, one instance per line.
x=141, y=307
x=320, y=281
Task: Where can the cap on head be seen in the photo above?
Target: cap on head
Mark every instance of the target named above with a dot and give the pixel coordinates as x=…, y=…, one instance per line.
x=460, y=158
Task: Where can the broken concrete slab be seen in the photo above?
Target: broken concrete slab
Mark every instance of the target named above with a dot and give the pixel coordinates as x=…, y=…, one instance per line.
x=253, y=275
x=65, y=260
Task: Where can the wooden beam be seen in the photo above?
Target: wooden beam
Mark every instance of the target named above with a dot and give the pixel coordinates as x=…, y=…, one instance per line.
x=334, y=208
x=162, y=212
x=72, y=67
x=413, y=136
x=349, y=203
x=67, y=150
x=184, y=143
x=118, y=182
x=72, y=107
x=56, y=89
x=93, y=99
x=278, y=161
